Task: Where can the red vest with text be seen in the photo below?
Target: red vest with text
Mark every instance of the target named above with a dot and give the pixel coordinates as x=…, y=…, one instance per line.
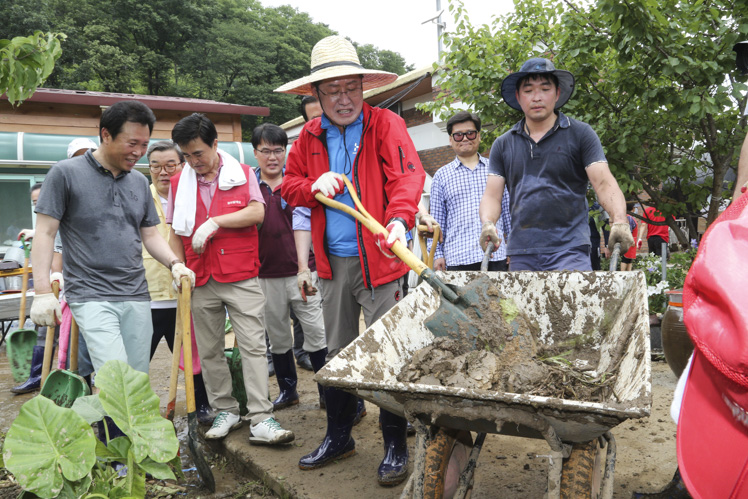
x=231, y=255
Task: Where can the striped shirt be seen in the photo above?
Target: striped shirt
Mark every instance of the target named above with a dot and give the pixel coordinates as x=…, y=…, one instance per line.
x=456, y=192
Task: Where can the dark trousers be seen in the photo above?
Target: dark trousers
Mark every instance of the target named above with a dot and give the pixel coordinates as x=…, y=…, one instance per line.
x=499, y=266
x=164, y=322
x=655, y=245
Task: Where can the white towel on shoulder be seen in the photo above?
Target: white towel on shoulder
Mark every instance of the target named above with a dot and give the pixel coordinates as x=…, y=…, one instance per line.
x=185, y=203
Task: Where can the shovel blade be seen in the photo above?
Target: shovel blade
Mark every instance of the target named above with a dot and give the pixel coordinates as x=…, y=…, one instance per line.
x=64, y=387
x=20, y=350
x=198, y=452
x=459, y=320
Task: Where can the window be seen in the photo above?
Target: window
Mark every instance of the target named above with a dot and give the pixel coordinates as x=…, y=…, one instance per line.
x=15, y=206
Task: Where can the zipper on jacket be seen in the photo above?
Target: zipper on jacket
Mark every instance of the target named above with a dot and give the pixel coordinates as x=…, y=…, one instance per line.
x=402, y=157
x=359, y=230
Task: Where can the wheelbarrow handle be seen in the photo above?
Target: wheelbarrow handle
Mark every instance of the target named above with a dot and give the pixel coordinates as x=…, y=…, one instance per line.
x=487, y=256
x=399, y=249
x=423, y=234
x=614, y=257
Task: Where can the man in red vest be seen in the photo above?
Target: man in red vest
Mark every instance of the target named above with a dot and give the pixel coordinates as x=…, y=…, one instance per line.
x=215, y=205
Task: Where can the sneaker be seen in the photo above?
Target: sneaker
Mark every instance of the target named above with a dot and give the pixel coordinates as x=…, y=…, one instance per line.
x=269, y=432
x=223, y=424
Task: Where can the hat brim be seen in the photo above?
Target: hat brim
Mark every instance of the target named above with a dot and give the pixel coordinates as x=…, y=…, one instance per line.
x=713, y=433
x=372, y=79
x=509, y=87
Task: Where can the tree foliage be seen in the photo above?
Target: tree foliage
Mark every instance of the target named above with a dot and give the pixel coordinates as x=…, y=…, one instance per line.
x=26, y=62
x=655, y=78
x=233, y=51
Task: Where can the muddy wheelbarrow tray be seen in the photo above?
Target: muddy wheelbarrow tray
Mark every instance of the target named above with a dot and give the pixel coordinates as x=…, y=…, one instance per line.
x=560, y=304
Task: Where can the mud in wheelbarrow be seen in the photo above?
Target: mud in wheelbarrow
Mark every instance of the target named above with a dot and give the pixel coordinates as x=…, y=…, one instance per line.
x=610, y=305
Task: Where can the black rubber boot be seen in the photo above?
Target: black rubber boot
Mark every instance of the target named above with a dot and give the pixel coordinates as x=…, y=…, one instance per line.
x=676, y=489
x=35, y=377
x=205, y=414
x=285, y=373
x=338, y=443
x=360, y=411
x=394, y=466
x=318, y=360
x=114, y=430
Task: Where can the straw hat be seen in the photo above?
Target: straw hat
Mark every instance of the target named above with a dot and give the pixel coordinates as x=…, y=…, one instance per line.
x=333, y=57
x=537, y=65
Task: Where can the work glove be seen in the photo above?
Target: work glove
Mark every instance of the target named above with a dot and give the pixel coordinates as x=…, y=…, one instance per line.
x=27, y=234
x=179, y=270
x=57, y=276
x=202, y=235
x=306, y=284
x=620, y=233
x=329, y=184
x=397, y=232
x=488, y=234
x=639, y=244
x=45, y=310
x=432, y=224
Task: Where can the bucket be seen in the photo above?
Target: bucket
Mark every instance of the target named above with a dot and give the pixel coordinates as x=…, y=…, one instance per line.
x=676, y=343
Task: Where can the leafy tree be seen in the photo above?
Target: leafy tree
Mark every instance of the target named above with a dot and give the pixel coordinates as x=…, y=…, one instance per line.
x=26, y=62
x=654, y=79
x=372, y=57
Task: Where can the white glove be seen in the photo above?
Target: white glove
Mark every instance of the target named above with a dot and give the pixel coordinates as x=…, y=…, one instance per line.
x=179, y=270
x=28, y=234
x=306, y=284
x=620, y=233
x=397, y=232
x=45, y=310
x=488, y=234
x=202, y=235
x=57, y=276
x=329, y=184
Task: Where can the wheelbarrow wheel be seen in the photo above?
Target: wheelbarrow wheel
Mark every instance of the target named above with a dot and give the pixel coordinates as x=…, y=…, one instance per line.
x=439, y=452
x=582, y=471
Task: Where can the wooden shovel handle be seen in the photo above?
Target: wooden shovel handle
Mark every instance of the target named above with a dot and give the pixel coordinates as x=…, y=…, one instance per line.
x=423, y=234
x=24, y=285
x=74, y=339
x=185, y=297
x=363, y=216
x=49, y=345
x=176, y=351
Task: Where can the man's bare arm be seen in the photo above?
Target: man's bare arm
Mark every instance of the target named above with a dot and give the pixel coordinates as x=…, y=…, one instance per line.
x=157, y=246
x=42, y=251
x=608, y=192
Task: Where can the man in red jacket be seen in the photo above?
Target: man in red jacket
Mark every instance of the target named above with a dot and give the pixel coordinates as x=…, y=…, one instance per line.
x=215, y=205
x=372, y=148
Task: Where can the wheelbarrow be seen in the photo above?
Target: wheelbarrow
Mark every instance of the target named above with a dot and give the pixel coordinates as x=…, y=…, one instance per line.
x=610, y=307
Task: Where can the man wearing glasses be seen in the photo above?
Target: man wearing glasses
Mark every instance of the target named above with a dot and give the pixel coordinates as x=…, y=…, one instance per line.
x=215, y=208
x=455, y=197
x=280, y=261
x=372, y=148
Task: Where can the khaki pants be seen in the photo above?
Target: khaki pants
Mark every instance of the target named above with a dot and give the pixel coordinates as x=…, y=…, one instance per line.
x=345, y=295
x=282, y=295
x=244, y=302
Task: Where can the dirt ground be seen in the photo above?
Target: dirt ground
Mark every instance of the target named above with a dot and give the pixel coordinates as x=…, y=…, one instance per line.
x=509, y=467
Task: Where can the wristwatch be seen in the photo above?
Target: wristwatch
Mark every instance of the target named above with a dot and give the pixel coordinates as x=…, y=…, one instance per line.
x=174, y=262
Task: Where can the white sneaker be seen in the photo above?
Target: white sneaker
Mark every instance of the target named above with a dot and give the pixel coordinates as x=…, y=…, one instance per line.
x=222, y=425
x=269, y=432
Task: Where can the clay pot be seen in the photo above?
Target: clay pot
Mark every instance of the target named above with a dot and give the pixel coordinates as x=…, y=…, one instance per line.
x=676, y=343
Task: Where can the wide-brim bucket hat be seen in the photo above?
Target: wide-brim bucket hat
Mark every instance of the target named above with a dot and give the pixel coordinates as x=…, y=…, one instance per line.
x=537, y=65
x=333, y=57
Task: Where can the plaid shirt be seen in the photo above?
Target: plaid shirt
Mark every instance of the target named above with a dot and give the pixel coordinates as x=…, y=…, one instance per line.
x=456, y=192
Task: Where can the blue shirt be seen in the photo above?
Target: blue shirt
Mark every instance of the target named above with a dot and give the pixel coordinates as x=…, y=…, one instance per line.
x=340, y=229
x=547, y=183
x=456, y=192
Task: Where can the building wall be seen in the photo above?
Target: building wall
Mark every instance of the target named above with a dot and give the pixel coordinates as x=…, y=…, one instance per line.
x=433, y=159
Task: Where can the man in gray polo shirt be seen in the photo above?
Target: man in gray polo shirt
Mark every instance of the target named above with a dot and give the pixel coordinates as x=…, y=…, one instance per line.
x=104, y=211
x=547, y=160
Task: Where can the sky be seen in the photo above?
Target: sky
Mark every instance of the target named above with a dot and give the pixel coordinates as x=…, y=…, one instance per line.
x=394, y=24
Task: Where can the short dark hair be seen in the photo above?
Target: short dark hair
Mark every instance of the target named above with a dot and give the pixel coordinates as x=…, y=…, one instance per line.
x=35, y=187
x=115, y=116
x=271, y=134
x=307, y=99
x=537, y=76
x=462, y=117
x=194, y=126
x=163, y=146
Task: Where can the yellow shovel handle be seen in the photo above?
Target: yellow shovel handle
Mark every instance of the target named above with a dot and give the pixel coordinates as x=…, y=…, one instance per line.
x=399, y=249
x=423, y=234
x=49, y=345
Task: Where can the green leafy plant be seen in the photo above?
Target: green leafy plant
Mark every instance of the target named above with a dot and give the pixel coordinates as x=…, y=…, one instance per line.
x=677, y=269
x=52, y=451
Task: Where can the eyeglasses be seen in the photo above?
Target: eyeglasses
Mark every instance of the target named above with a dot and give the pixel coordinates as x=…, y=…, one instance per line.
x=470, y=135
x=170, y=167
x=276, y=152
x=335, y=95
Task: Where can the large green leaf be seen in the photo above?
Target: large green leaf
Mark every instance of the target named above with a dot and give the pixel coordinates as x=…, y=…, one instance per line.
x=47, y=442
x=128, y=399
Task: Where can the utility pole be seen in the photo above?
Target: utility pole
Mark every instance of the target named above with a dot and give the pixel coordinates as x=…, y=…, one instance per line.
x=437, y=19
